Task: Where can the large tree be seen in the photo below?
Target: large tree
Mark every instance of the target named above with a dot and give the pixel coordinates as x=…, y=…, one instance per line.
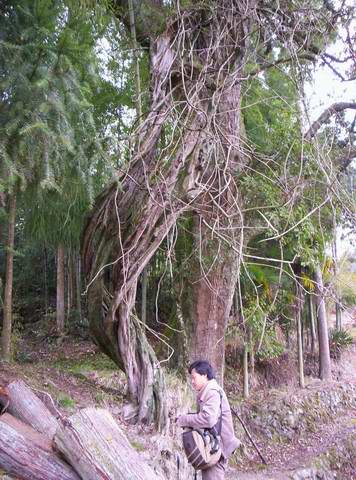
x=189, y=158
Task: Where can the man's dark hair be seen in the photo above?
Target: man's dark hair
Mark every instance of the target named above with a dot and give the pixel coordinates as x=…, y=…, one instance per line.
x=203, y=368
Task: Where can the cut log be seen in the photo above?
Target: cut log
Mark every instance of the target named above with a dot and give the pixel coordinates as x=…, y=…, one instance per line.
x=32, y=435
x=93, y=443
x=26, y=406
x=22, y=458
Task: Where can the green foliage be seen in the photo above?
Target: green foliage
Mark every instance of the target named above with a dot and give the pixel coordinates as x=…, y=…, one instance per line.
x=283, y=186
x=138, y=446
x=66, y=401
x=97, y=362
x=54, y=100
x=307, y=282
x=263, y=306
x=16, y=337
x=345, y=282
x=348, y=297
x=270, y=112
x=272, y=348
x=339, y=341
x=49, y=142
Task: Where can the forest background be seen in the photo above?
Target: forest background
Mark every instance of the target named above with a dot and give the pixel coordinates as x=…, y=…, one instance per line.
x=163, y=187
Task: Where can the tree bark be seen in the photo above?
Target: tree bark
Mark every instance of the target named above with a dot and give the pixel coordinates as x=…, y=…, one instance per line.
x=95, y=446
x=144, y=282
x=198, y=58
x=20, y=456
x=298, y=308
x=312, y=323
x=60, y=306
x=300, y=339
x=78, y=287
x=138, y=216
x=246, y=390
x=38, y=439
x=26, y=406
x=217, y=232
x=69, y=282
x=2, y=207
x=323, y=333
x=45, y=280
x=212, y=293
x=252, y=357
x=7, y=318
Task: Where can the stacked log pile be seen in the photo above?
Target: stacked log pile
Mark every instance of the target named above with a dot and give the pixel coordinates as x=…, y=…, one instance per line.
x=35, y=445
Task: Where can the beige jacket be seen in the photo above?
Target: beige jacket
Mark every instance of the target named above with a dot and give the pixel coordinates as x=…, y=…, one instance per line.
x=209, y=413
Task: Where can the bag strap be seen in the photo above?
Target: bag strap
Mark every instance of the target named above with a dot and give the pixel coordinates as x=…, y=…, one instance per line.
x=216, y=429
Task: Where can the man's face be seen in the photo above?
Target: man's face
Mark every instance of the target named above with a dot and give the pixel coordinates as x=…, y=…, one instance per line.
x=198, y=381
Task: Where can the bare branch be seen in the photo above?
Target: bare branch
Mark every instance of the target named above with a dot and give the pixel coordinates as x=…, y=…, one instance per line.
x=345, y=160
x=146, y=12
x=325, y=116
x=337, y=73
x=265, y=65
x=336, y=59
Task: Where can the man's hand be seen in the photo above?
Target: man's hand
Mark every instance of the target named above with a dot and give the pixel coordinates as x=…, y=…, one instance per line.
x=180, y=421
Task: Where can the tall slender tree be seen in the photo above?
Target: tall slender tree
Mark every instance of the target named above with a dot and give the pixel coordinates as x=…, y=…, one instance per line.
x=7, y=318
x=324, y=349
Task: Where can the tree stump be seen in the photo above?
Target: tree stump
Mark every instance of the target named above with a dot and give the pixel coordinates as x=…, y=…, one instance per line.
x=19, y=456
x=93, y=443
x=26, y=406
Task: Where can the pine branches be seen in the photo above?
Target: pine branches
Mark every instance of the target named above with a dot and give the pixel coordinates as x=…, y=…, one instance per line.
x=48, y=130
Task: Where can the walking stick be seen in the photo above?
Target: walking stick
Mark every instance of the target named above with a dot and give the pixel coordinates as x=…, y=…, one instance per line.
x=249, y=435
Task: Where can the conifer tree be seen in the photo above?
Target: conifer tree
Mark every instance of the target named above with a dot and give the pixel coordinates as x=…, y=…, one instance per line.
x=49, y=146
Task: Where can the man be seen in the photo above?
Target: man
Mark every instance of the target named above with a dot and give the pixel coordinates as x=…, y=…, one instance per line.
x=208, y=398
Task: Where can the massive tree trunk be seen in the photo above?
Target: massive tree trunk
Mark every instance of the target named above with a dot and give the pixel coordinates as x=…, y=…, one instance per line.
x=217, y=232
x=213, y=283
x=129, y=223
x=130, y=220
x=7, y=319
x=198, y=55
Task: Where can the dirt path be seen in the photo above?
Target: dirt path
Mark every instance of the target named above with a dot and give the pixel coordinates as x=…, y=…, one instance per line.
x=285, y=459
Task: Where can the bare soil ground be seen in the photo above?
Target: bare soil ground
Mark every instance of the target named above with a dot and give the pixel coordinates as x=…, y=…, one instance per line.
x=284, y=460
